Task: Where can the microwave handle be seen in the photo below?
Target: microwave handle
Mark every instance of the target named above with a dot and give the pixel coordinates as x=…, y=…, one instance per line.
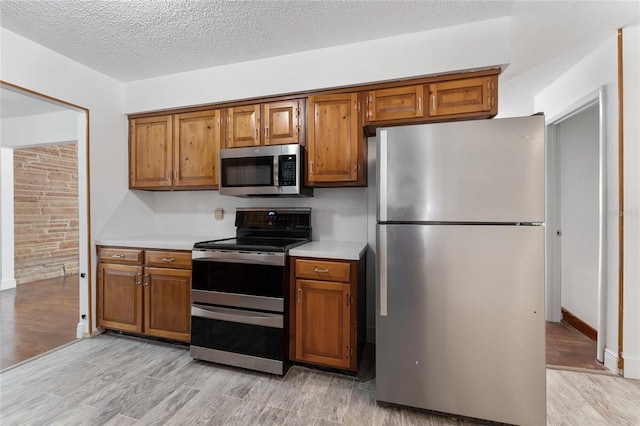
x=276, y=170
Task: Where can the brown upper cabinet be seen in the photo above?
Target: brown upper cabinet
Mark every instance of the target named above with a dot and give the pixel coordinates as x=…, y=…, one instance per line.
x=178, y=151
x=394, y=103
x=335, y=142
x=275, y=123
x=462, y=97
x=181, y=150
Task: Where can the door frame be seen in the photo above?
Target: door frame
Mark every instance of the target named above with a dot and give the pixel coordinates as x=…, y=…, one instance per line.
x=84, y=206
x=553, y=296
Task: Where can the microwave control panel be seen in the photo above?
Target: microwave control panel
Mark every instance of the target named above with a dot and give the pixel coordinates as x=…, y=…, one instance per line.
x=287, y=170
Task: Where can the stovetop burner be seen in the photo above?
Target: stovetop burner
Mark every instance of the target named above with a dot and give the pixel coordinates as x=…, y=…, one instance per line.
x=265, y=229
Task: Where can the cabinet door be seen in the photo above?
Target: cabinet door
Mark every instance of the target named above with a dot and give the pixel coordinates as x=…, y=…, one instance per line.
x=150, y=152
x=335, y=142
x=243, y=126
x=281, y=122
x=471, y=95
x=167, y=303
x=395, y=103
x=323, y=323
x=120, y=297
x=196, y=149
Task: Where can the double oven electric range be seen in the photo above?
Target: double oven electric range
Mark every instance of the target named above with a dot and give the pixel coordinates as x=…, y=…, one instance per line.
x=239, y=311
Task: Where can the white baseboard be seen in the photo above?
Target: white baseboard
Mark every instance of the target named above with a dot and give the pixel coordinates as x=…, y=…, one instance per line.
x=7, y=284
x=611, y=360
x=631, y=368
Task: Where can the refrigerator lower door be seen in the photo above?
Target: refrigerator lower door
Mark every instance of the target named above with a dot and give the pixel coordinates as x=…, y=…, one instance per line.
x=460, y=320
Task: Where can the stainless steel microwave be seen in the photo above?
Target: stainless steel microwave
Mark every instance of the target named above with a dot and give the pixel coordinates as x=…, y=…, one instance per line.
x=263, y=171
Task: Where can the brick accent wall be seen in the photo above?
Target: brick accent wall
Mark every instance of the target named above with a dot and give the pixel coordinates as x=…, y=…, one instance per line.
x=46, y=212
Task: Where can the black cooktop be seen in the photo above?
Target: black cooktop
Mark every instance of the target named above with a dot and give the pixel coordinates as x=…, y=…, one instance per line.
x=252, y=244
x=265, y=229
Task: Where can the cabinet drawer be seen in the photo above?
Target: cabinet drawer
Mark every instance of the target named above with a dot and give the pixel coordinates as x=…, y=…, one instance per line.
x=120, y=255
x=323, y=270
x=166, y=258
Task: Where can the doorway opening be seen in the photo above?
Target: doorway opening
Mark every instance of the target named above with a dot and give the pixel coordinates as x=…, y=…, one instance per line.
x=44, y=223
x=575, y=296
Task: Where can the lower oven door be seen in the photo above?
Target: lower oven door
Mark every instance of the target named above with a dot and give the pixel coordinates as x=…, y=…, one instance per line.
x=238, y=337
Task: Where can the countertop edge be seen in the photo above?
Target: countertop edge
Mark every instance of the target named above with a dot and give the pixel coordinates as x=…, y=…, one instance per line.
x=344, y=250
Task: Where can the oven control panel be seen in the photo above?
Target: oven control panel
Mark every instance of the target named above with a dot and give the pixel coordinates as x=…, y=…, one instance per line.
x=273, y=218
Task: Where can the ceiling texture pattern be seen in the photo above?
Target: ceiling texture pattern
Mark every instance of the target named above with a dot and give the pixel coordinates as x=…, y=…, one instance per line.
x=138, y=39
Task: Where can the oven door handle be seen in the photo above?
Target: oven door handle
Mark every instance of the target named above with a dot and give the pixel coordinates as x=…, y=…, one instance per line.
x=234, y=315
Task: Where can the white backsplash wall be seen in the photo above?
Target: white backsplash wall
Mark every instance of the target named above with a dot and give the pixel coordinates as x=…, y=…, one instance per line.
x=337, y=214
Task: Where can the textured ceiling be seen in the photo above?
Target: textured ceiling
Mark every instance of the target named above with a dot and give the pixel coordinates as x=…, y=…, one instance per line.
x=137, y=39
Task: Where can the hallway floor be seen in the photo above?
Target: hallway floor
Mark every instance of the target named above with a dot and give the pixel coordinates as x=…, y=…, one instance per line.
x=37, y=317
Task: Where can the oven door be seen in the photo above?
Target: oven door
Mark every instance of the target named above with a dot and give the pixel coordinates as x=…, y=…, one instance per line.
x=238, y=337
x=223, y=279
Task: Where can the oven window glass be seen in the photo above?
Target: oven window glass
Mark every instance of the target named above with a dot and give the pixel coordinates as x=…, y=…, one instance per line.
x=247, y=339
x=239, y=278
x=249, y=171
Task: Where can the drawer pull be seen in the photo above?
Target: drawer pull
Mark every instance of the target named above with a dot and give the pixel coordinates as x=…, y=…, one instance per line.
x=167, y=259
x=117, y=256
x=321, y=271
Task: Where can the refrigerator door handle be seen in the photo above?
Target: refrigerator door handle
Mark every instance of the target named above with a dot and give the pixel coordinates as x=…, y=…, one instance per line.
x=382, y=176
x=382, y=271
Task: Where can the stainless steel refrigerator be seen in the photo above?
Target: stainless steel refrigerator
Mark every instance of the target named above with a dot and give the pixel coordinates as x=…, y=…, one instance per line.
x=460, y=269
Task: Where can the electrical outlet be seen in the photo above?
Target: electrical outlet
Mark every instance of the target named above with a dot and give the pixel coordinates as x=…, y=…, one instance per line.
x=218, y=213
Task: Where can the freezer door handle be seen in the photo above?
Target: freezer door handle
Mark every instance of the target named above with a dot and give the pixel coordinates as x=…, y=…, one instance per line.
x=382, y=176
x=382, y=258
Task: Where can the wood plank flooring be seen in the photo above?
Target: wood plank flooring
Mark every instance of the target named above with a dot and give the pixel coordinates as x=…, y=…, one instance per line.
x=37, y=317
x=43, y=315
x=567, y=347
x=118, y=380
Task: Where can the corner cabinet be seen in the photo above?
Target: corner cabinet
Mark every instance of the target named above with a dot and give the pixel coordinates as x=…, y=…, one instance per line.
x=336, y=151
x=178, y=151
x=145, y=292
x=327, y=308
x=274, y=123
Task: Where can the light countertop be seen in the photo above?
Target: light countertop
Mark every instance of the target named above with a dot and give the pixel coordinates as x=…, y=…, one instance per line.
x=346, y=250
x=170, y=242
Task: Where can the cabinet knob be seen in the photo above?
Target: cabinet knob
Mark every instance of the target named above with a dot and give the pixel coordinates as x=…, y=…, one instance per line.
x=321, y=271
x=117, y=256
x=146, y=280
x=167, y=259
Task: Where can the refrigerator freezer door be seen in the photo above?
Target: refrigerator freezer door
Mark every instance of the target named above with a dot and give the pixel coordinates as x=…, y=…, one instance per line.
x=472, y=171
x=464, y=326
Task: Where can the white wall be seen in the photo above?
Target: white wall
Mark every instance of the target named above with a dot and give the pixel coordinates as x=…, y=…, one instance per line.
x=631, y=322
x=599, y=68
x=40, y=129
x=7, y=254
x=578, y=140
x=463, y=47
x=34, y=67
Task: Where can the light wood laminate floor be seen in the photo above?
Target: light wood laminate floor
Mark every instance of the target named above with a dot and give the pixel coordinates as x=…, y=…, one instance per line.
x=117, y=380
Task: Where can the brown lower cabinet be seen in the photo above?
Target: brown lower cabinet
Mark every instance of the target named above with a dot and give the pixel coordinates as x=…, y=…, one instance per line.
x=145, y=291
x=327, y=306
